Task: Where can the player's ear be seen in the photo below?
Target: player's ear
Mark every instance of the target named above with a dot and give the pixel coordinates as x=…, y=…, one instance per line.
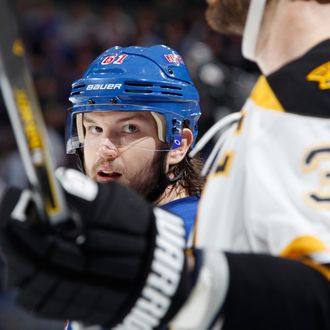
x=176, y=155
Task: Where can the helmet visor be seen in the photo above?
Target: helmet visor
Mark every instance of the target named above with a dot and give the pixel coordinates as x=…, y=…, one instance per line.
x=97, y=126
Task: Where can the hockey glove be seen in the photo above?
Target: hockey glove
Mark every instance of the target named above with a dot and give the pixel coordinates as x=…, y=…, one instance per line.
x=126, y=259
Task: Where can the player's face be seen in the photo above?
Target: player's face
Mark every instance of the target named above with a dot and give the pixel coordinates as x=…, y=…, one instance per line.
x=121, y=146
x=227, y=16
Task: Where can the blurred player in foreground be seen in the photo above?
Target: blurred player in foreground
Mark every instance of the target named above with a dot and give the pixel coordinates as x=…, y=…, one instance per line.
x=124, y=266
x=272, y=167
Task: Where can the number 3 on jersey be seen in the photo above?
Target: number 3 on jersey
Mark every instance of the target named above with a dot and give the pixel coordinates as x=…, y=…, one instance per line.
x=317, y=160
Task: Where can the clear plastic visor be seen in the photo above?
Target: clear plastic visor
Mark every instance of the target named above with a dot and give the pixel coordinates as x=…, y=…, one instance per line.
x=116, y=129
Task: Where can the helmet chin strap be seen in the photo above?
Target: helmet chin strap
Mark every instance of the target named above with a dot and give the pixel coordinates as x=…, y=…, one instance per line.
x=252, y=27
x=163, y=180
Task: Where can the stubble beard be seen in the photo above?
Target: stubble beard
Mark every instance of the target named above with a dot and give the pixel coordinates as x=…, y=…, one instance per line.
x=149, y=177
x=143, y=182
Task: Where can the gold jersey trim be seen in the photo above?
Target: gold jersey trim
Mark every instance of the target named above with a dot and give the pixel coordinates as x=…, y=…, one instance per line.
x=264, y=97
x=303, y=248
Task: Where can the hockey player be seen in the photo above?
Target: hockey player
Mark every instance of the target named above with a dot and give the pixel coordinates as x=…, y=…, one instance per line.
x=100, y=274
x=272, y=167
x=133, y=120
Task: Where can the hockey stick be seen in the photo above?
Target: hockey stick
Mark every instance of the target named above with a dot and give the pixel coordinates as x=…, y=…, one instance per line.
x=26, y=119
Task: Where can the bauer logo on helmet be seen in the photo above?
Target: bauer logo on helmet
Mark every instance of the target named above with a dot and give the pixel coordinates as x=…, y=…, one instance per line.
x=103, y=86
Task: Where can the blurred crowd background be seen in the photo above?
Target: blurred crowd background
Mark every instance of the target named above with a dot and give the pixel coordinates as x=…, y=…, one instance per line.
x=63, y=37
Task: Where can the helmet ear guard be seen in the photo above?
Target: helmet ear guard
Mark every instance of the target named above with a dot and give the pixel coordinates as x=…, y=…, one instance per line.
x=153, y=79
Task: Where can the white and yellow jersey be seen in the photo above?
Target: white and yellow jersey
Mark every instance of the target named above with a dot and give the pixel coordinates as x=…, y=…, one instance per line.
x=269, y=188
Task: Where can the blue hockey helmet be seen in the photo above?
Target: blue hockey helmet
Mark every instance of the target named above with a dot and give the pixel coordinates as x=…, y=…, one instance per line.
x=153, y=79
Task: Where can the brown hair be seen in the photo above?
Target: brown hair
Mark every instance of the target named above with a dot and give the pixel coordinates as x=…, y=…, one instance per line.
x=189, y=173
x=227, y=16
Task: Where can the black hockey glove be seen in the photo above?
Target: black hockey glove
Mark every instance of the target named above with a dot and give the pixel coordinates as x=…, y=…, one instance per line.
x=126, y=260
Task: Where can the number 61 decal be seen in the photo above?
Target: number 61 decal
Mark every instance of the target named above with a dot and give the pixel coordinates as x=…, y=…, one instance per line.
x=114, y=59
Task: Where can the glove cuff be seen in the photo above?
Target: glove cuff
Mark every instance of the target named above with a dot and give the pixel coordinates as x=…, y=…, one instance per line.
x=203, y=307
x=164, y=288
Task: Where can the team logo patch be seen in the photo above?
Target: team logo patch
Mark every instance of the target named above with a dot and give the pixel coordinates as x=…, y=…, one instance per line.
x=174, y=58
x=321, y=75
